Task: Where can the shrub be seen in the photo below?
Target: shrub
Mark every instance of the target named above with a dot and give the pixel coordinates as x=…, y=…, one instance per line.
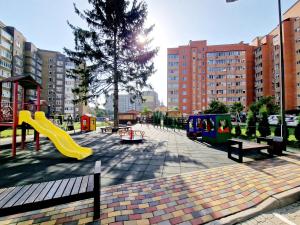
x=277, y=131
x=251, y=125
x=297, y=130
x=263, y=126
x=238, y=130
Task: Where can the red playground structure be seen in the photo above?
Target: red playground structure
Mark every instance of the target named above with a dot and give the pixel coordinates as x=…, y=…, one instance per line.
x=9, y=110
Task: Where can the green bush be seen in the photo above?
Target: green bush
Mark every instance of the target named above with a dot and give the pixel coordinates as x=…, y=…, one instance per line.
x=263, y=126
x=251, y=125
x=297, y=130
x=238, y=131
x=277, y=131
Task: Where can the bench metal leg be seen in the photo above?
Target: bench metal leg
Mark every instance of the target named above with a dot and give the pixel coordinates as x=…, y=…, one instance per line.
x=96, y=196
x=240, y=155
x=229, y=151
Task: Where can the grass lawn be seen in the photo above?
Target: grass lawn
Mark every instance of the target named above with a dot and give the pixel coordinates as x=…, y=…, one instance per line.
x=8, y=133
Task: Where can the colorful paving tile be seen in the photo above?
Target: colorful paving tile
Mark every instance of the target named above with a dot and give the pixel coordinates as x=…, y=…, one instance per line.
x=193, y=198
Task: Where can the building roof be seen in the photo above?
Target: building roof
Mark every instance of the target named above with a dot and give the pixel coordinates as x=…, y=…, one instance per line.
x=25, y=81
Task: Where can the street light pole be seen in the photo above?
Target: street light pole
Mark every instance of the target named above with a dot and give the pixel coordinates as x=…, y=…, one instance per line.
x=282, y=82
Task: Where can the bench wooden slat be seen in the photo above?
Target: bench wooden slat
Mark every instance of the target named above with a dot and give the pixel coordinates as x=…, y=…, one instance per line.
x=44, y=192
x=90, y=186
x=2, y=190
x=26, y=194
x=69, y=187
x=6, y=192
x=47, y=194
x=61, y=188
x=36, y=193
x=84, y=184
x=76, y=187
x=53, y=190
x=9, y=196
x=17, y=196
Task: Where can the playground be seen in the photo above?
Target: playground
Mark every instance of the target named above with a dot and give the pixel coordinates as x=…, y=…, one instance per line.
x=195, y=183
x=164, y=153
x=158, y=156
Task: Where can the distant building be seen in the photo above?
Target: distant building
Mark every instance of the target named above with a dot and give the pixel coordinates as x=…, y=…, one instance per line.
x=57, y=86
x=199, y=73
x=150, y=100
x=32, y=66
x=6, y=47
x=127, y=103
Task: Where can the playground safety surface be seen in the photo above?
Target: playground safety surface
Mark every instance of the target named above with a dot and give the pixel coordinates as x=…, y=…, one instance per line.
x=164, y=153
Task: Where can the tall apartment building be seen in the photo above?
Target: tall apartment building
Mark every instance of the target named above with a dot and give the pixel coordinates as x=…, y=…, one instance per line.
x=57, y=86
x=70, y=83
x=32, y=66
x=125, y=104
x=17, y=51
x=199, y=73
x=267, y=61
x=6, y=47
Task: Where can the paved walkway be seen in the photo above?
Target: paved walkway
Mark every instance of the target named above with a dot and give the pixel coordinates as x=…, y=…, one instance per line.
x=192, y=198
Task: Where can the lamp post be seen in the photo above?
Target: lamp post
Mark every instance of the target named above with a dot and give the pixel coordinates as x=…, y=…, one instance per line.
x=282, y=85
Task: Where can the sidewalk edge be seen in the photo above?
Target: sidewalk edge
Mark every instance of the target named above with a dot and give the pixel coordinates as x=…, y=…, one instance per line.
x=274, y=202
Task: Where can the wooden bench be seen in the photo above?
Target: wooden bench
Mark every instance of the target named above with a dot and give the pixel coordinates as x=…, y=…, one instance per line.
x=245, y=146
x=43, y=195
x=110, y=129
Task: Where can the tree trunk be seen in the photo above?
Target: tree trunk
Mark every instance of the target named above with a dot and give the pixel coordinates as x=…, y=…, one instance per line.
x=116, y=87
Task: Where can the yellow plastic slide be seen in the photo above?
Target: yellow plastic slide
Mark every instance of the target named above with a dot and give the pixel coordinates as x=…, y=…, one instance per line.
x=61, y=139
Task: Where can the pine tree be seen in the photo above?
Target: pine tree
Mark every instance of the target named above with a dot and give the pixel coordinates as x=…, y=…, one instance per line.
x=263, y=126
x=251, y=125
x=114, y=49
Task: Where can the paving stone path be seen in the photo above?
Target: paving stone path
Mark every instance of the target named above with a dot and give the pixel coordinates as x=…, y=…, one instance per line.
x=192, y=198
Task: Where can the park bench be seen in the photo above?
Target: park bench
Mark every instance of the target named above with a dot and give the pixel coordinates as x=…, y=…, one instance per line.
x=110, y=129
x=242, y=146
x=43, y=195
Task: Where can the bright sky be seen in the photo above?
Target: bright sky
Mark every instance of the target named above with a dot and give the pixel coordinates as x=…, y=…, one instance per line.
x=43, y=22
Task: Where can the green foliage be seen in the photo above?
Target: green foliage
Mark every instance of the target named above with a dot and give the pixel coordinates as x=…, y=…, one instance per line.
x=109, y=54
x=146, y=111
x=251, y=124
x=238, y=130
x=216, y=107
x=100, y=112
x=277, y=131
x=269, y=102
x=263, y=126
x=237, y=107
x=297, y=132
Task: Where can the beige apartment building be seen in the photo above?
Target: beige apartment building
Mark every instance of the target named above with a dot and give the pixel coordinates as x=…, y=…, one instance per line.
x=6, y=62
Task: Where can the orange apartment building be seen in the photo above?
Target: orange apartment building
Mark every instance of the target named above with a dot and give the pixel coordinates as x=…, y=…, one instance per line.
x=199, y=73
x=267, y=61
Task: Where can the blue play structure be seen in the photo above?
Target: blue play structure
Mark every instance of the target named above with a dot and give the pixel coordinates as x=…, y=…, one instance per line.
x=213, y=128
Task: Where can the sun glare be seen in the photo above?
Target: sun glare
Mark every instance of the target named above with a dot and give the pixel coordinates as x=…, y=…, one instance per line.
x=141, y=38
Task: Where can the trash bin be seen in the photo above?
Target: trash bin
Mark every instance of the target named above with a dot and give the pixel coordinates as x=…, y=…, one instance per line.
x=278, y=145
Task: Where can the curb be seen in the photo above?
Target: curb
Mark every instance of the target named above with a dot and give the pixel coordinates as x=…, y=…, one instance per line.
x=274, y=202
